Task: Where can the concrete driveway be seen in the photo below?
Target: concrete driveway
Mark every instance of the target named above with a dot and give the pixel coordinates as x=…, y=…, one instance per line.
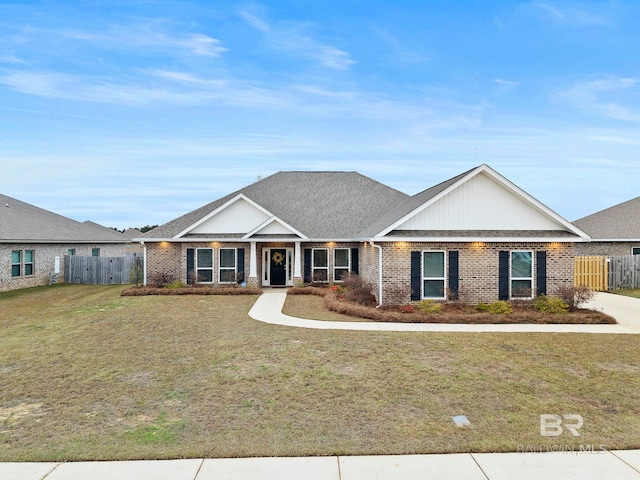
x=626, y=310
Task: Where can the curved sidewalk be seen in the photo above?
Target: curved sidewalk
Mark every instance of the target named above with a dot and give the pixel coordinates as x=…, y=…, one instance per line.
x=626, y=310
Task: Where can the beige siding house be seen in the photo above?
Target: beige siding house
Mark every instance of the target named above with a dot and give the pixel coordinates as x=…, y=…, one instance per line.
x=34, y=243
x=476, y=237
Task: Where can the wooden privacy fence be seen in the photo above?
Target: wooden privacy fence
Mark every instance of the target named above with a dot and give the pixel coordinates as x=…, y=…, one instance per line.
x=607, y=273
x=624, y=272
x=591, y=272
x=99, y=270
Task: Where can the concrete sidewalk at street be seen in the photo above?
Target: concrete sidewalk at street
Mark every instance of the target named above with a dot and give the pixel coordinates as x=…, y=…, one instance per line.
x=626, y=310
x=616, y=465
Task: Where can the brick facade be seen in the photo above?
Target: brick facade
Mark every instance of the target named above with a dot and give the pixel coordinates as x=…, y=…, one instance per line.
x=44, y=261
x=478, y=264
x=478, y=267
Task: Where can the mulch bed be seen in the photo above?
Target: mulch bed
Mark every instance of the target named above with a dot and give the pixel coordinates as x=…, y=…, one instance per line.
x=199, y=290
x=454, y=312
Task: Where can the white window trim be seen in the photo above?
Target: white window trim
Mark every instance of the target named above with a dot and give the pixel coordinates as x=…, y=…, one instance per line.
x=313, y=263
x=221, y=268
x=444, y=274
x=198, y=268
x=336, y=277
x=512, y=278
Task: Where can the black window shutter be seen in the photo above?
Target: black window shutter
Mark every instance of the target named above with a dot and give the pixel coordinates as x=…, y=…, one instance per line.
x=453, y=275
x=240, y=265
x=307, y=265
x=191, y=274
x=503, y=275
x=541, y=272
x=355, y=266
x=416, y=278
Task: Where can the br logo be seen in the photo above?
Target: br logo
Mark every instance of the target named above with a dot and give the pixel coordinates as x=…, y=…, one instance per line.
x=551, y=425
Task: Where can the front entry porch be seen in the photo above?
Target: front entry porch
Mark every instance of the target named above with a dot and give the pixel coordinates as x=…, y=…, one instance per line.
x=280, y=265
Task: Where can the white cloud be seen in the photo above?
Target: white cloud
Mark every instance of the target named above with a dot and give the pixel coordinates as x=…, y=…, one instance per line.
x=574, y=17
x=610, y=96
x=292, y=38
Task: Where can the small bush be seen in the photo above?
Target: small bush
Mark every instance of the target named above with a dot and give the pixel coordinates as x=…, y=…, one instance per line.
x=575, y=296
x=176, y=284
x=545, y=304
x=429, y=306
x=161, y=279
x=407, y=309
x=357, y=290
x=499, y=307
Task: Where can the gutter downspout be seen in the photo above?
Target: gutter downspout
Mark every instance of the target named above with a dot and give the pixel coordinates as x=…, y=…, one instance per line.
x=144, y=264
x=379, y=271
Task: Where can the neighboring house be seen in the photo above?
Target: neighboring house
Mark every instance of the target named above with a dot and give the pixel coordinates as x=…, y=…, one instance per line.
x=476, y=237
x=614, y=231
x=34, y=242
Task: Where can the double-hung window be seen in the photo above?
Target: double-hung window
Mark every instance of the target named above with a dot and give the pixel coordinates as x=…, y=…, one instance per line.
x=16, y=263
x=433, y=275
x=341, y=265
x=204, y=265
x=22, y=263
x=522, y=274
x=227, y=265
x=28, y=263
x=320, y=265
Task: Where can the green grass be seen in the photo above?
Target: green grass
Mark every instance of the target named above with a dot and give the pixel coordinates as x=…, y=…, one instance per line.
x=632, y=292
x=88, y=375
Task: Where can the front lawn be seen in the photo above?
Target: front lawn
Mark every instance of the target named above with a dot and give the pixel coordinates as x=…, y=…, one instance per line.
x=86, y=374
x=631, y=292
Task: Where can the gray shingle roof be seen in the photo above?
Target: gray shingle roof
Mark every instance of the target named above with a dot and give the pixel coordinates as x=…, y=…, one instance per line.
x=408, y=206
x=318, y=204
x=21, y=222
x=620, y=222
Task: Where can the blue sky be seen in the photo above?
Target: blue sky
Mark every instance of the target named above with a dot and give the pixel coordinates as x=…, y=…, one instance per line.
x=132, y=113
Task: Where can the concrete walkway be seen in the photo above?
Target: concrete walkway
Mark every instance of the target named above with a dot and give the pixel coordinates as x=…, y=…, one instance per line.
x=618, y=465
x=626, y=310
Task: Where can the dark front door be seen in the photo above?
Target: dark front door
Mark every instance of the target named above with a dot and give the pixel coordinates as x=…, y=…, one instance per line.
x=278, y=273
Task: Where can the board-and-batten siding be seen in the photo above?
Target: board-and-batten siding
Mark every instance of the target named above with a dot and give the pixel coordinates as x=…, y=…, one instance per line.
x=238, y=217
x=498, y=209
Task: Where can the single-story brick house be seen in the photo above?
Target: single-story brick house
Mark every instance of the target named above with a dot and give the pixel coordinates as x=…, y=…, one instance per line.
x=476, y=237
x=614, y=231
x=34, y=243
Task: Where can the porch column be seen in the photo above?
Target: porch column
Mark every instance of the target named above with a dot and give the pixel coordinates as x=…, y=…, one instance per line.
x=297, y=263
x=253, y=261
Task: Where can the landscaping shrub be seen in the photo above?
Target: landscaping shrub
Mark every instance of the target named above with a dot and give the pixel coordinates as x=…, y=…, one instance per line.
x=161, y=279
x=575, y=296
x=358, y=291
x=430, y=306
x=176, y=284
x=499, y=307
x=545, y=304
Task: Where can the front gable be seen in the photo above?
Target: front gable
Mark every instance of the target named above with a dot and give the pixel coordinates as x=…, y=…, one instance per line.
x=239, y=217
x=482, y=202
